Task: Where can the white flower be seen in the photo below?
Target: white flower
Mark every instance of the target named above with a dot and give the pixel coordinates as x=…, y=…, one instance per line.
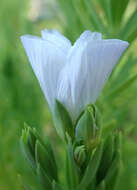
x=76, y=74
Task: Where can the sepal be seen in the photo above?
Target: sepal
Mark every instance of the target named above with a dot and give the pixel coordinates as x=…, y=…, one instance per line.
x=85, y=127
x=62, y=121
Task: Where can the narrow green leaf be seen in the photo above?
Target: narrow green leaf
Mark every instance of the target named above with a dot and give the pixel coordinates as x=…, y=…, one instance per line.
x=109, y=128
x=62, y=120
x=128, y=32
x=113, y=173
x=106, y=7
x=46, y=144
x=71, y=19
x=92, y=168
x=42, y=157
x=124, y=69
x=101, y=186
x=118, y=8
x=31, y=139
x=28, y=153
x=123, y=86
x=28, y=141
x=56, y=186
x=43, y=178
x=95, y=19
x=92, y=185
x=80, y=9
x=26, y=186
x=72, y=171
x=22, y=184
x=107, y=156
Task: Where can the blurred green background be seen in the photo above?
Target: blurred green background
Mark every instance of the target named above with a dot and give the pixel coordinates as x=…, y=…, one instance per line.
x=21, y=99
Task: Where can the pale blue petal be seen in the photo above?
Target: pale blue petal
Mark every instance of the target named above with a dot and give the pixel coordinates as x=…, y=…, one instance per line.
x=100, y=59
x=64, y=92
x=88, y=67
x=47, y=61
x=84, y=38
x=55, y=37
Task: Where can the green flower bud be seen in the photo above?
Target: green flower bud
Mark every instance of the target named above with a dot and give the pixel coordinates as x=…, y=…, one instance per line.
x=85, y=127
x=80, y=155
x=88, y=127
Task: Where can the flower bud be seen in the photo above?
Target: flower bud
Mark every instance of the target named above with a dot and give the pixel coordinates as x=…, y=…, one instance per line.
x=85, y=127
x=80, y=155
x=88, y=125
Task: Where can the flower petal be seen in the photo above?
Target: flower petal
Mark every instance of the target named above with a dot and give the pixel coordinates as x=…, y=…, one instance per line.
x=47, y=60
x=84, y=38
x=101, y=57
x=57, y=39
x=89, y=66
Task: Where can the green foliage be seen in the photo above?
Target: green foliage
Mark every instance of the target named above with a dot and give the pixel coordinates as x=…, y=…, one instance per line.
x=21, y=98
x=105, y=16
x=91, y=170
x=85, y=166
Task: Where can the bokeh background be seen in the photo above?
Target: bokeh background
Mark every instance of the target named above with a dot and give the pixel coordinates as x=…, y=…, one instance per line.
x=21, y=99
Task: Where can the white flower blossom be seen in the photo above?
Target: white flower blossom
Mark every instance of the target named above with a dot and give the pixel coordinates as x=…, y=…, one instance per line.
x=76, y=74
